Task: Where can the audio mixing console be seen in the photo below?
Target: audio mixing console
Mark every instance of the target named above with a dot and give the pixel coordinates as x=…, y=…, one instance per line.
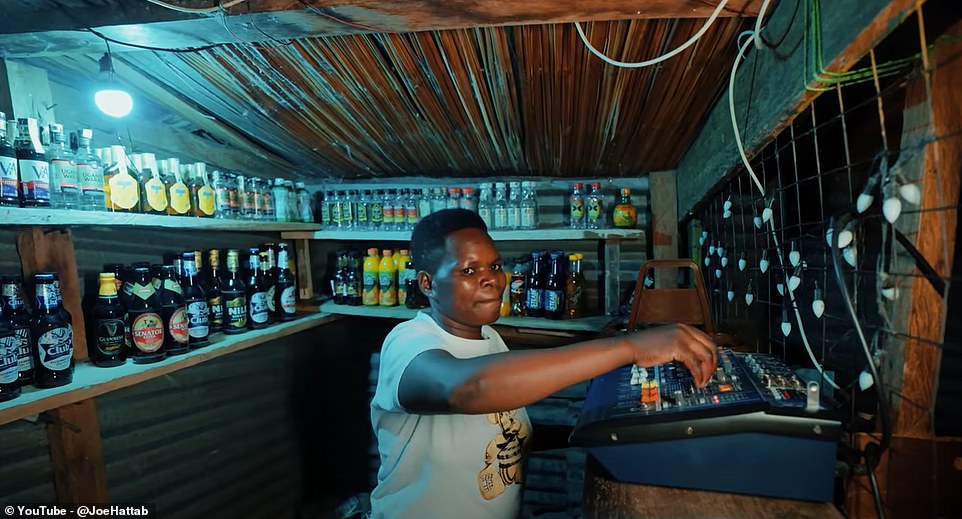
x=756, y=418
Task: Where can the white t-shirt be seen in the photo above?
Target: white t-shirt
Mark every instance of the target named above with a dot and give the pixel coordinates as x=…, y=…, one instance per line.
x=446, y=466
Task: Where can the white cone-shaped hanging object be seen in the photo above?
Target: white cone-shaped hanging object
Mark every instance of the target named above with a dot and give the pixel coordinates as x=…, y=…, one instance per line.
x=767, y=214
x=891, y=209
x=731, y=295
x=850, y=256
x=865, y=380
x=911, y=193
x=763, y=263
x=724, y=261
x=707, y=260
x=728, y=205
x=818, y=305
x=701, y=240
x=845, y=237
x=863, y=202
x=742, y=263
x=786, y=328
x=718, y=273
x=780, y=287
x=727, y=214
x=793, y=282
x=749, y=298
x=711, y=249
x=830, y=237
x=720, y=250
x=890, y=292
x=794, y=257
x=757, y=221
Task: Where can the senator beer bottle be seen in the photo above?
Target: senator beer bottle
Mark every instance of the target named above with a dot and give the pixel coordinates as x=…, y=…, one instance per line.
x=256, y=295
x=15, y=309
x=215, y=300
x=195, y=302
x=106, y=326
x=285, y=298
x=52, y=335
x=170, y=295
x=9, y=347
x=143, y=319
x=235, y=296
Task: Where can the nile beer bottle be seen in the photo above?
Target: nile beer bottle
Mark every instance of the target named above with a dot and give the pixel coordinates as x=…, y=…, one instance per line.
x=171, y=298
x=14, y=308
x=52, y=335
x=235, y=296
x=143, y=319
x=9, y=347
x=105, y=328
x=285, y=300
x=256, y=294
x=195, y=301
x=215, y=300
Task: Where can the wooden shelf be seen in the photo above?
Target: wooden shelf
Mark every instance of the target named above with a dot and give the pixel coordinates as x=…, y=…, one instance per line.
x=586, y=324
x=90, y=381
x=527, y=235
x=68, y=217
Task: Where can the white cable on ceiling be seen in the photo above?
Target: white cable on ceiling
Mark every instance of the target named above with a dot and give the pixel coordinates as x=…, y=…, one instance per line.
x=194, y=10
x=659, y=59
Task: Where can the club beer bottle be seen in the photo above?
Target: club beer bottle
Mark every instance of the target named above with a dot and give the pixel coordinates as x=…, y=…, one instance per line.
x=143, y=319
x=285, y=299
x=105, y=330
x=195, y=301
x=234, y=296
x=9, y=347
x=52, y=335
x=14, y=308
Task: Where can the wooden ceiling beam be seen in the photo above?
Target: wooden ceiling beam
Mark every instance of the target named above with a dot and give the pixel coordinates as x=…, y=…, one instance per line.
x=62, y=29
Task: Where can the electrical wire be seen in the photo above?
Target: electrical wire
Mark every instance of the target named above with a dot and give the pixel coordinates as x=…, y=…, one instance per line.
x=758, y=25
x=148, y=47
x=197, y=10
x=691, y=41
x=731, y=110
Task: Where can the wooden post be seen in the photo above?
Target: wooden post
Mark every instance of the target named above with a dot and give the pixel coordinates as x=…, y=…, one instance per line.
x=664, y=224
x=305, y=282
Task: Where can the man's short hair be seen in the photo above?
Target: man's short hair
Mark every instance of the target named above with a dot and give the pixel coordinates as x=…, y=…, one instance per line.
x=428, y=239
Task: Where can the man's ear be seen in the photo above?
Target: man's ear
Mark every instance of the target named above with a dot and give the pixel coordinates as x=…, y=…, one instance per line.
x=425, y=283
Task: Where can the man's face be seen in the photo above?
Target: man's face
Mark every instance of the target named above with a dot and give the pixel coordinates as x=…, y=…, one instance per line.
x=466, y=289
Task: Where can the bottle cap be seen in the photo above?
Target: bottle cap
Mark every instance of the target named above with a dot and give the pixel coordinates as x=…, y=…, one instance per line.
x=372, y=251
x=386, y=252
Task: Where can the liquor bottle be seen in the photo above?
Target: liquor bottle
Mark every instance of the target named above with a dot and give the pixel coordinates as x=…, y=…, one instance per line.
x=221, y=194
x=415, y=298
x=90, y=173
x=534, y=302
x=514, y=205
x=595, y=212
x=574, y=288
x=267, y=284
x=499, y=212
x=64, y=185
x=624, y=215
x=153, y=188
x=554, y=288
x=285, y=297
x=32, y=162
x=485, y=206
x=256, y=294
x=106, y=326
x=529, y=206
x=14, y=307
x=576, y=207
x=195, y=304
x=339, y=278
x=52, y=335
x=143, y=318
x=178, y=192
x=215, y=299
x=234, y=294
x=233, y=196
x=387, y=279
x=257, y=196
x=202, y=195
x=9, y=178
x=304, y=203
x=121, y=189
x=9, y=349
x=363, y=210
x=170, y=296
x=325, y=199
x=269, y=202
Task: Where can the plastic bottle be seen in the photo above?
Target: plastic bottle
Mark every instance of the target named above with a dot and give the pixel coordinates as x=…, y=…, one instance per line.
x=453, y=200
x=500, y=207
x=529, y=206
x=387, y=279
x=411, y=213
x=403, y=258
x=371, y=293
x=348, y=201
x=485, y=206
x=595, y=210
x=624, y=215
x=363, y=210
x=467, y=199
x=576, y=207
x=424, y=203
x=514, y=205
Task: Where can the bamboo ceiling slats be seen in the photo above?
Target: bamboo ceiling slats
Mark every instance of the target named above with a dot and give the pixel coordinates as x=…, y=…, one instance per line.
x=524, y=100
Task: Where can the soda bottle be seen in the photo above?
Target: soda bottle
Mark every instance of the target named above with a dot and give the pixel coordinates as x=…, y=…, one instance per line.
x=576, y=206
x=106, y=329
x=387, y=279
x=595, y=214
x=52, y=335
x=574, y=288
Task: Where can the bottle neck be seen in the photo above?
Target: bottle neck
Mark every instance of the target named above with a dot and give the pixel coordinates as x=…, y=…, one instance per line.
x=13, y=297
x=48, y=299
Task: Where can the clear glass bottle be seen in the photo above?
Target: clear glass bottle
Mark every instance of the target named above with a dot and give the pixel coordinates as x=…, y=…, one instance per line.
x=304, y=203
x=400, y=210
x=438, y=202
x=9, y=179
x=387, y=207
x=514, y=205
x=203, y=196
x=576, y=206
x=64, y=185
x=90, y=173
x=529, y=206
x=280, y=200
x=221, y=194
x=326, y=209
x=33, y=165
x=245, y=202
x=500, y=207
x=486, y=204
x=233, y=196
x=291, y=201
x=257, y=197
x=424, y=202
x=376, y=209
x=595, y=207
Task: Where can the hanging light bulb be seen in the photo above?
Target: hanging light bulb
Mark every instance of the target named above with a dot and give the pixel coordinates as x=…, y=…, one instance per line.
x=780, y=287
x=891, y=209
x=786, y=324
x=911, y=193
x=707, y=260
x=742, y=262
x=727, y=207
x=711, y=249
x=794, y=281
x=850, y=255
x=818, y=305
x=720, y=250
x=702, y=238
x=888, y=289
x=865, y=380
x=794, y=257
x=749, y=295
x=767, y=213
x=718, y=273
x=649, y=280
x=111, y=99
x=763, y=263
x=724, y=261
x=867, y=196
x=727, y=214
x=757, y=220
x=731, y=294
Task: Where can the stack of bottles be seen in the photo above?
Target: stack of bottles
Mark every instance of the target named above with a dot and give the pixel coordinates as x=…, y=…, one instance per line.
x=547, y=284
x=39, y=169
x=384, y=277
x=399, y=209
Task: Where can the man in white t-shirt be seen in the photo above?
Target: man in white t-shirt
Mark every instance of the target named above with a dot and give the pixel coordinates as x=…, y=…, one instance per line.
x=448, y=410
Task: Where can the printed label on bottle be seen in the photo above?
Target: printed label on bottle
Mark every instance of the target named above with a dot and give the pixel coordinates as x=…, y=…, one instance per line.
x=552, y=300
x=173, y=286
x=180, y=198
x=9, y=371
x=412, y=215
x=236, y=317
x=142, y=291
x=63, y=176
x=271, y=307
x=24, y=355
x=258, y=307
x=147, y=332
x=198, y=319
x=222, y=198
x=387, y=214
x=534, y=299
x=91, y=178
x=12, y=296
x=123, y=191
x=35, y=179
x=485, y=214
x=500, y=218
x=9, y=179
x=156, y=195
x=362, y=210
x=216, y=307
x=594, y=209
x=576, y=209
x=514, y=217
x=624, y=216
x=347, y=212
x=205, y=200
x=110, y=336
x=288, y=301
x=55, y=348
x=177, y=327
x=527, y=217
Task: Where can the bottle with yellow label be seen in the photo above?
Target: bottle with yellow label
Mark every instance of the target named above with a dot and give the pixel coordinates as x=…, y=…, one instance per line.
x=387, y=279
x=201, y=194
x=625, y=215
x=403, y=257
x=121, y=189
x=179, y=193
x=153, y=189
x=370, y=294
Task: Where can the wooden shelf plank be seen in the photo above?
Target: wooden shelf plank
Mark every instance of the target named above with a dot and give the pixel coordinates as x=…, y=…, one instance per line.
x=586, y=324
x=526, y=235
x=90, y=381
x=68, y=218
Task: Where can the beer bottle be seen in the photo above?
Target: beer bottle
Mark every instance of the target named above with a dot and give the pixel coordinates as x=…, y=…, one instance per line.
x=106, y=325
x=199, y=271
x=143, y=319
x=285, y=300
x=215, y=300
x=170, y=296
x=267, y=283
x=256, y=296
x=554, y=289
x=195, y=301
x=14, y=307
x=534, y=302
x=9, y=348
x=235, y=296
x=52, y=335
x=340, y=272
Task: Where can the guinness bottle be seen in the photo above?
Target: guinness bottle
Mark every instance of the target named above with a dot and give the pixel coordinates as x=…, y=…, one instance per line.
x=106, y=328
x=170, y=295
x=143, y=319
x=195, y=301
x=9, y=346
x=14, y=308
x=285, y=299
x=256, y=295
x=235, y=296
x=52, y=335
